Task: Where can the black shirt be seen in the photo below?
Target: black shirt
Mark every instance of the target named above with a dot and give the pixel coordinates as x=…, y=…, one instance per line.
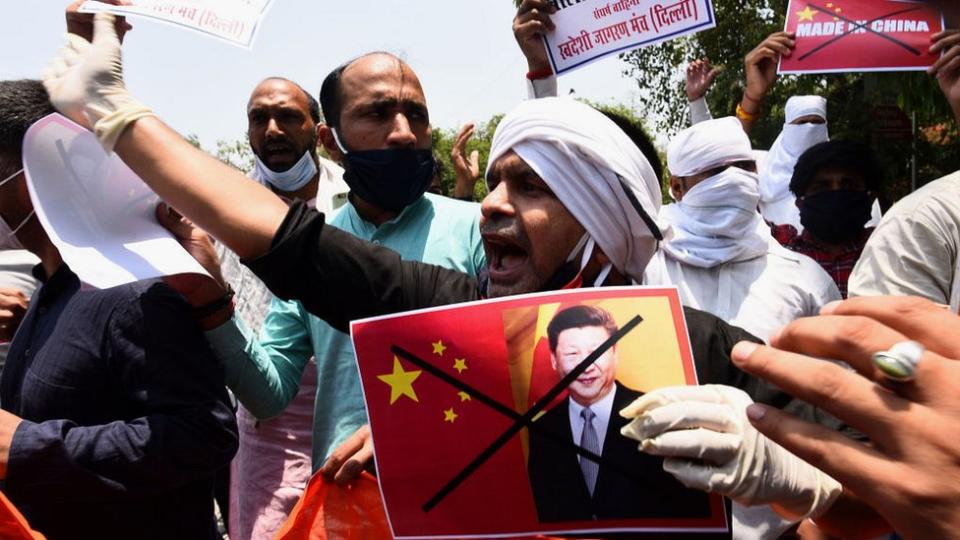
x=340, y=278
x=125, y=412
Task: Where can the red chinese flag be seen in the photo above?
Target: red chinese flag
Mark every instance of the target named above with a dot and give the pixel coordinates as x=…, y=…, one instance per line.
x=427, y=431
x=861, y=35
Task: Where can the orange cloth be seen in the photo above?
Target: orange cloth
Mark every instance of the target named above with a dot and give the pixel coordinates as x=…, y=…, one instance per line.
x=328, y=511
x=13, y=526
x=331, y=512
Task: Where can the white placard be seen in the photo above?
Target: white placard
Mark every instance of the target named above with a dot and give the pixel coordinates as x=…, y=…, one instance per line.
x=95, y=210
x=235, y=21
x=587, y=30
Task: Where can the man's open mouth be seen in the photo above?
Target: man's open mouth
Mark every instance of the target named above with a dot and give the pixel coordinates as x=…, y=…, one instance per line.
x=505, y=258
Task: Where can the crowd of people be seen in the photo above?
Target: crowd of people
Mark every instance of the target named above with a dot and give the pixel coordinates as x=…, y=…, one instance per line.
x=822, y=333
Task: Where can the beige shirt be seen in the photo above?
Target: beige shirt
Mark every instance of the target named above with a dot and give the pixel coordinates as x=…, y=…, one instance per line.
x=914, y=249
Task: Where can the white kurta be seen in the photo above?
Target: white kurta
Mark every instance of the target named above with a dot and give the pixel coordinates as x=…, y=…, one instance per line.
x=760, y=295
x=915, y=250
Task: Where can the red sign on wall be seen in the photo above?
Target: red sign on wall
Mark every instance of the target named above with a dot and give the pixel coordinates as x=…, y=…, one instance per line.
x=861, y=35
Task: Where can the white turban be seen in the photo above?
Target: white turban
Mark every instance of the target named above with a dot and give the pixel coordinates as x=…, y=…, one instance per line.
x=583, y=157
x=776, y=202
x=708, y=145
x=799, y=106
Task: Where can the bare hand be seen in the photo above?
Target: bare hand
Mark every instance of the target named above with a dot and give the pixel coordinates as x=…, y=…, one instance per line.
x=467, y=169
x=911, y=473
x=349, y=459
x=199, y=290
x=81, y=24
x=700, y=77
x=529, y=25
x=760, y=65
x=13, y=306
x=947, y=68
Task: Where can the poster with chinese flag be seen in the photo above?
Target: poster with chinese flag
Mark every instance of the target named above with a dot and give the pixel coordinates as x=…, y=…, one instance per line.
x=836, y=36
x=500, y=418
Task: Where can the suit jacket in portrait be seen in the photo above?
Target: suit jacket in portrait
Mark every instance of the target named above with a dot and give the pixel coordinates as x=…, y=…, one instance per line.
x=635, y=486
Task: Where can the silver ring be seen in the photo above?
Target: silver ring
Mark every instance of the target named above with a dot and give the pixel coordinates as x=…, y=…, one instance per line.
x=899, y=363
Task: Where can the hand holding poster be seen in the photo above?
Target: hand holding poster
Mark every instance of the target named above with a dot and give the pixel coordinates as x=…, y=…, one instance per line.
x=500, y=418
x=235, y=21
x=95, y=210
x=861, y=35
x=587, y=30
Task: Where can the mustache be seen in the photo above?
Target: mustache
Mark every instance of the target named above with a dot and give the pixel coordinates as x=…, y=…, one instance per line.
x=507, y=228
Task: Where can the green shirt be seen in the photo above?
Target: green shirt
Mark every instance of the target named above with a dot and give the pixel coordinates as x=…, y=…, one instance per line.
x=265, y=374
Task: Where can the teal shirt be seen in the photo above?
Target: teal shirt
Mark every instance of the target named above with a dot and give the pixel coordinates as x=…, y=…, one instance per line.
x=265, y=374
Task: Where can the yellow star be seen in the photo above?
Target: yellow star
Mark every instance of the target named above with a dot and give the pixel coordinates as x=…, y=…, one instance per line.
x=463, y=396
x=806, y=15
x=400, y=381
x=460, y=364
x=438, y=348
x=449, y=415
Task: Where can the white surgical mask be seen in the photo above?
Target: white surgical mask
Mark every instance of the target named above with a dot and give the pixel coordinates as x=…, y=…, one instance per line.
x=289, y=180
x=8, y=236
x=588, y=244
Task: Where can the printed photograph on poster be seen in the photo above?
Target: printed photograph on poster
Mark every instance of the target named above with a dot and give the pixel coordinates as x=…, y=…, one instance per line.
x=845, y=36
x=589, y=30
x=234, y=21
x=501, y=418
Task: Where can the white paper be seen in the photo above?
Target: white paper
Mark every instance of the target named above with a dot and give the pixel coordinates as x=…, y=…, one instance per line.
x=587, y=30
x=95, y=210
x=235, y=21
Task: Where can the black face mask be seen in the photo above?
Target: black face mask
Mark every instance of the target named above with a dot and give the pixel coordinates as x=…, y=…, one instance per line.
x=836, y=217
x=390, y=179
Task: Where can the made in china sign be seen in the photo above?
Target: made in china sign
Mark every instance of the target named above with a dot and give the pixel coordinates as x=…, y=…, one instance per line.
x=861, y=35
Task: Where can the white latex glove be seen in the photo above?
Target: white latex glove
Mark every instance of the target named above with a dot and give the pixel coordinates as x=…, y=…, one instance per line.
x=85, y=83
x=708, y=444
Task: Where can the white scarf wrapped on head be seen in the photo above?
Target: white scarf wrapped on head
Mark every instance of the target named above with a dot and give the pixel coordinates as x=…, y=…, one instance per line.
x=582, y=156
x=716, y=221
x=777, y=203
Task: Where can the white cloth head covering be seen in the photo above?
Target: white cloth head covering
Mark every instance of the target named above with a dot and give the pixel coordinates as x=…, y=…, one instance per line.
x=716, y=222
x=583, y=157
x=708, y=145
x=777, y=204
x=799, y=106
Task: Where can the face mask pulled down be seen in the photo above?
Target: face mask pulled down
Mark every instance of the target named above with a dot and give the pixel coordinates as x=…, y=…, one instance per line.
x=391, y=179
x=289, y=180
x=8, y=236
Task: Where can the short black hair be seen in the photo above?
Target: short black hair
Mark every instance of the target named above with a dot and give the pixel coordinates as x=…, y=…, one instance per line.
x=845, y=154
x=579, y=317
x=312, y=103
x=331, y=91
x=639, y=136
x=22, y=103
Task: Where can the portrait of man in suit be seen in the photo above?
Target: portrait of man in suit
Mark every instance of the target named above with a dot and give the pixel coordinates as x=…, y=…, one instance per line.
x=627, y=484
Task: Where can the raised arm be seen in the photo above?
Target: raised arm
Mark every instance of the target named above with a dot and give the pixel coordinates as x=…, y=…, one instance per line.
x=947, y=68
x=760, y=70
x=86, y=84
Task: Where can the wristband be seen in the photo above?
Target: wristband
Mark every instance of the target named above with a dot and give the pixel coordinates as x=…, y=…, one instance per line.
x=539, y=74
x=207, y=310
x=745, y=116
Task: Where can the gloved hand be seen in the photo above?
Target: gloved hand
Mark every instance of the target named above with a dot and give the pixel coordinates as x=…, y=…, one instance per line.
x=85, y=83
x=708, y=444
